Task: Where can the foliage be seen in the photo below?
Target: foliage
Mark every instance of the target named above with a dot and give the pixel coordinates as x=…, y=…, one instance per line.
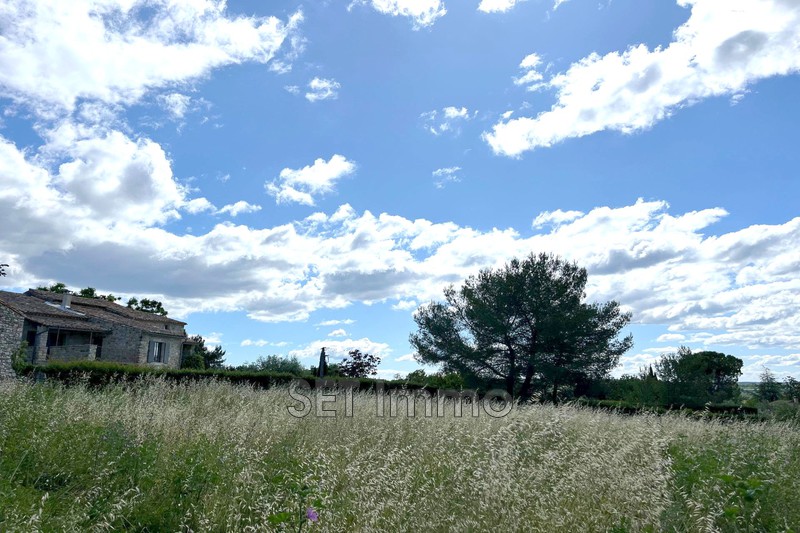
x=58, y=288
x=696, y=378
x=148, y=306
x=275, y=363
x=523, y=325
x=211, y=359
x=193, y=361
x=3, y=267
x=19, y=357
x=769, y=389
x=88, y=292
x=359, y=365
x=642, y=389
x=438, y=380
x=791, y=389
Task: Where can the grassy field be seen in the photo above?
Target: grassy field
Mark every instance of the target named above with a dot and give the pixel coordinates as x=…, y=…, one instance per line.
x=214, y=457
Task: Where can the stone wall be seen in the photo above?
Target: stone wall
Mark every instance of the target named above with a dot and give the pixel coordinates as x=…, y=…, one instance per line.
x=122, y=345
x=10, y=339
x=174, y=349
x=72, y=352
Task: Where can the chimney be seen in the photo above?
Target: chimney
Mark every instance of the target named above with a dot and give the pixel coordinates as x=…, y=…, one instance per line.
x=66, y=300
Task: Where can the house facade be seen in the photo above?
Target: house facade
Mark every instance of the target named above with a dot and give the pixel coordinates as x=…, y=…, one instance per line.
x=65, y=327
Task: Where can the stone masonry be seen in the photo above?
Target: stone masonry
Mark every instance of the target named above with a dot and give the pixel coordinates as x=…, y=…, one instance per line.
x=10, y=335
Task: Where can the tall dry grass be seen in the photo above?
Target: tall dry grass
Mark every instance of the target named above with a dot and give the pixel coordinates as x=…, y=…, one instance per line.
x=157, y=456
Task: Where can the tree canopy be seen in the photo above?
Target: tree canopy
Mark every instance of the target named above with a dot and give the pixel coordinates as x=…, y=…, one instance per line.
x=3, y=267
x=769, y=389
x=359, y=365
x=148, y=306
x=201, y=357
x=697, y=378
x=524, y=325
x=275, y=363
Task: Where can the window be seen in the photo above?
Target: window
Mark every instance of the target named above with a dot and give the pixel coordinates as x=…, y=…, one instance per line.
x=157, y=352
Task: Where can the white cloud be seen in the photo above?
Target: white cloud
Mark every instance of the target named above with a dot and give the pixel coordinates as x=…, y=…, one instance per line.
x=176, y=104
x=448, y=119
x=302, y=185
x=404, y=358
x=54, y=53
x=322, y=89
x=345, y=322
x=558, y=3
x=261, y=343
x=405, y=305
x=446, y=175
x=213, y=339
x=338, y=333
x=498, y=6
x=239, y=207
x=114, y=177
x=531, y=76
x=338, y=350
x=423, y=12
x=738, y=288
x=556, y=217
x=722, y=49
x=671, y=337
x=294, y=89
x=199, y=205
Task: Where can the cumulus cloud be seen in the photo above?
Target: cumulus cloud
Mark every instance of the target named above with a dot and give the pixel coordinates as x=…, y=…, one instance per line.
x=423, y=13
x=448, y=119
x=446, y=175
x=322, y=89
x=338, y=350
x=338, y=333
x=239, y=207
x=346, y=321
x=198, y=205
x=499, y=6
x=722, y=49
x=555, y=218
x=54, y=53
x=738, y=288
x=302, y=185
x=175, y=104
x=261, y=343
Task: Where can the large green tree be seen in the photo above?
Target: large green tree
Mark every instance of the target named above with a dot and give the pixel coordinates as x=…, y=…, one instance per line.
x=697, y=378
x=201, y=357
x=525, y=325
x=769, y=389
x=359, y=365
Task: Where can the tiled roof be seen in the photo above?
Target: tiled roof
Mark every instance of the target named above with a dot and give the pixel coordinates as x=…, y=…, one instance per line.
x=104, y=304
x=115, y=313
x=48, y=315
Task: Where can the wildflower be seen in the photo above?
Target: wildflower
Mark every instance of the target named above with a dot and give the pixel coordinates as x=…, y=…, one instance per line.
x=311, y=514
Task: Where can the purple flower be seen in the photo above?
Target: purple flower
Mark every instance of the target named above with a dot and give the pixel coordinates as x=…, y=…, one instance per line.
x=311, y=514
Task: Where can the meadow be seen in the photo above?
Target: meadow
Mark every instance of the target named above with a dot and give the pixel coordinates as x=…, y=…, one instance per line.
x=210, y=456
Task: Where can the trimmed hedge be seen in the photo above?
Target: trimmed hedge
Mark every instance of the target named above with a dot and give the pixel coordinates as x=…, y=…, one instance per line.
x=738, y=412
x=100, y=374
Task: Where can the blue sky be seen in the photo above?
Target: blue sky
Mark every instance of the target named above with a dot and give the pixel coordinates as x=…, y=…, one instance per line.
x=287, y=175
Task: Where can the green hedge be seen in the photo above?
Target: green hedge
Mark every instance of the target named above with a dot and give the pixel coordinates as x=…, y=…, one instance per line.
x=709, y=411
x=99, y=374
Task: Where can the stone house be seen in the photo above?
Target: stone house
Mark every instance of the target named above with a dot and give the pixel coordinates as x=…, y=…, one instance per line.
x=65, y=327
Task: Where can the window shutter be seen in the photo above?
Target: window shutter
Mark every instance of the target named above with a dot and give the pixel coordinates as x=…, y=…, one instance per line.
x=166, y=352
x=151, y=348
